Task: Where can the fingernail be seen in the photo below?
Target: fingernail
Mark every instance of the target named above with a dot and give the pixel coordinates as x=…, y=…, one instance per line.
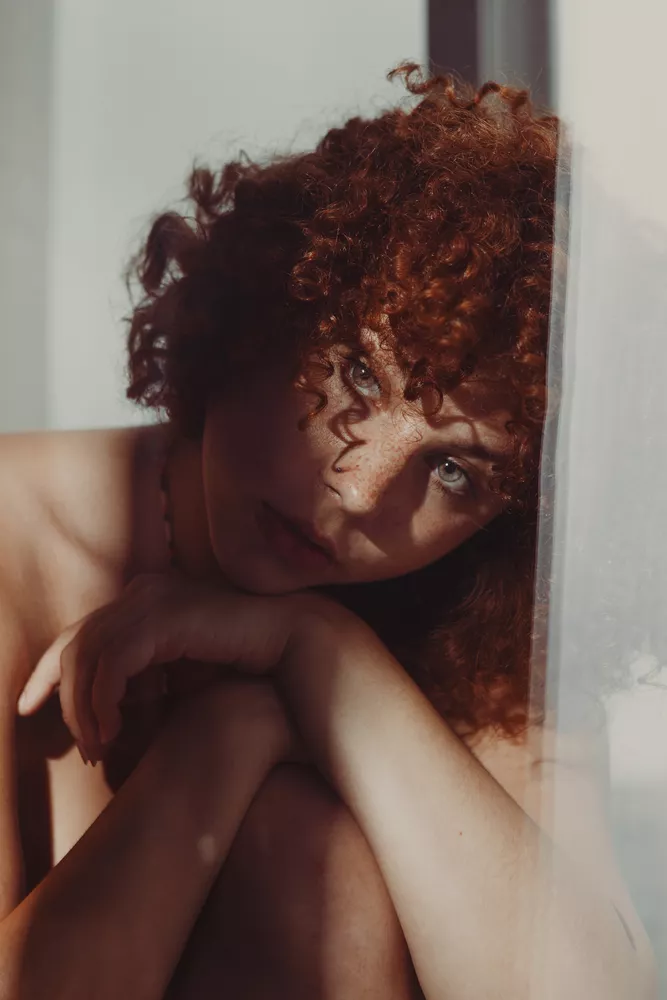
x=82, y=754
x=107, y=734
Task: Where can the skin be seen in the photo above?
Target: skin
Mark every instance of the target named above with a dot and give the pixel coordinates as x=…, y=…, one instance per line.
x=374, y=499
x=82, y=511
x=389, y=485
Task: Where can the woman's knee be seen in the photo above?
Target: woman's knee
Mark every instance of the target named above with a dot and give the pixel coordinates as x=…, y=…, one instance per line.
x=302, y=890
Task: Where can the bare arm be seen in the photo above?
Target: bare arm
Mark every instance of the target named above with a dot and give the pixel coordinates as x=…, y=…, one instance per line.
x=490, y=903
x=113, y=917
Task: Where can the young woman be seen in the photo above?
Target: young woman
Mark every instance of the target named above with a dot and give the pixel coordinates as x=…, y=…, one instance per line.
x=294, y=620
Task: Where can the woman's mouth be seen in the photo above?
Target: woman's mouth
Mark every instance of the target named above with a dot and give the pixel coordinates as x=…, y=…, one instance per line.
x=294, y=541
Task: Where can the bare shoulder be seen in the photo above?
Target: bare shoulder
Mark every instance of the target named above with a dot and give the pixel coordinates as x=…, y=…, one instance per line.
x=545, y=743
x=37, y=472
x=65, y=503
x=36, y=461
x=78, y=483
x=34, y=465
x=560, y=777
x=548, y=756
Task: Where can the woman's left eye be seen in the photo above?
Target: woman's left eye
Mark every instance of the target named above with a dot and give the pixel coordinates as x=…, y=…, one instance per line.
x=363, y=379
x=451, y=475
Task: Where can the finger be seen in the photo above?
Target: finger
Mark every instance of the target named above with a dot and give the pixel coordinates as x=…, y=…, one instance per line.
x=116, y=631
x=79, y=664
x=123, y=658
x=45, y=677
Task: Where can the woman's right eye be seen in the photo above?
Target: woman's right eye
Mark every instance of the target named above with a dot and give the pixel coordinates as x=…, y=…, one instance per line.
x=362, y=379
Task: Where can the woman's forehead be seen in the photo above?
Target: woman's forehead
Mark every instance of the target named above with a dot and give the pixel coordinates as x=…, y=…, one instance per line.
x=481, y=399
x=484, y=398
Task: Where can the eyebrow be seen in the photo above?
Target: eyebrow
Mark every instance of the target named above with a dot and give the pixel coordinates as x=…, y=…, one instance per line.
x=472, y=450
x=481, y=451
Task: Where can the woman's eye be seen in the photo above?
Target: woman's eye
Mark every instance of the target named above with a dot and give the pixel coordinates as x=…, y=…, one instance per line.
x=451, y=475
x=363, y=379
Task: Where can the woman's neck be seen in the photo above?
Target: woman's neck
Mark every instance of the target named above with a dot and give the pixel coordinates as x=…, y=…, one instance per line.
x=191, y=545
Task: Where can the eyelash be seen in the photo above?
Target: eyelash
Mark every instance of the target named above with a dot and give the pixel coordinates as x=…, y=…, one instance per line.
x=448, y=491
x=468, y=487
x=349, y=363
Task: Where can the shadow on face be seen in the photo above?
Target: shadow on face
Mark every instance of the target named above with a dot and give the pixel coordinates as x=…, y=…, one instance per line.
x=371, y=487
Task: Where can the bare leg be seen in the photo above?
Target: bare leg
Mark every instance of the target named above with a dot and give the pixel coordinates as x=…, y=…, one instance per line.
x=299, y=910
x=112, y=918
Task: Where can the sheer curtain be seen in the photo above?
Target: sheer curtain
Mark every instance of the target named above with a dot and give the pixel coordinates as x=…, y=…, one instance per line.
x=604, y=535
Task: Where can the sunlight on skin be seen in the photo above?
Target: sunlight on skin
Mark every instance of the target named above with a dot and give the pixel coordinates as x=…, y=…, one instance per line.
x=386, y=485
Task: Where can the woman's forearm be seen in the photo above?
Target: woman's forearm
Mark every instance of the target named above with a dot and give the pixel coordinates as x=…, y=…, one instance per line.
x=112, y=919
x=476, y=884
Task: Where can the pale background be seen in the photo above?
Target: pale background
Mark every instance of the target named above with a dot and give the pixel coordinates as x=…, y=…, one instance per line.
x=610, y=565
x=103, y=107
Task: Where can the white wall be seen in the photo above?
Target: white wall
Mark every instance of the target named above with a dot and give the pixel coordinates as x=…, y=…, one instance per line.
x=140, y=88
x=609, y=58
x=26, y=42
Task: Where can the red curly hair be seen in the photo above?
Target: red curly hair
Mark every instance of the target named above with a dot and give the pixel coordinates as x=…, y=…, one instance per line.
x=438, y=220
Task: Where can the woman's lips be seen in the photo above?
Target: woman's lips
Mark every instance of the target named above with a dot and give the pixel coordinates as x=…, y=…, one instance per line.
x=296, y=543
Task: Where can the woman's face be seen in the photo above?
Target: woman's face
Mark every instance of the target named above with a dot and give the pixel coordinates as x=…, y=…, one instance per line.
x=373, y=487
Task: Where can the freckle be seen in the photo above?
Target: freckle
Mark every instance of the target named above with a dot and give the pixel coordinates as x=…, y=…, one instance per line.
x=206, y=848
x=460, y=833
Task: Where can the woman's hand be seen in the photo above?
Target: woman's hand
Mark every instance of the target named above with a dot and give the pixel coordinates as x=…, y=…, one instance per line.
x=159, y=618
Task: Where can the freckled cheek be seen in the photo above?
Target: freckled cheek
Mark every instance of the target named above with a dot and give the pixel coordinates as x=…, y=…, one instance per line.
x=434, y=536
x=372, y=478
x=381, y=470
x=435, y=531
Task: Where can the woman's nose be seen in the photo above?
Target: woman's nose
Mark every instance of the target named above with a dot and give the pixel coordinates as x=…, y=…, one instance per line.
x=363, y=477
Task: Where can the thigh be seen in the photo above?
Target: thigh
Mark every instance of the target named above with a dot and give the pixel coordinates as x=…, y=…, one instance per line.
x=300, y=909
